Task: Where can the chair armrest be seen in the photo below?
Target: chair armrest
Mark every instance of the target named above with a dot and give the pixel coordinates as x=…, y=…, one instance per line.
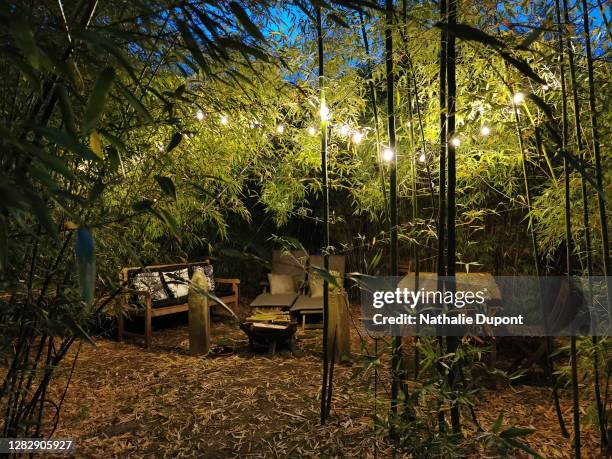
x=131, y=291
x=222, y=280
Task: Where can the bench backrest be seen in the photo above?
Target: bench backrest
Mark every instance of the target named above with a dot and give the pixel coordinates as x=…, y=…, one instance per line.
x=126, y=275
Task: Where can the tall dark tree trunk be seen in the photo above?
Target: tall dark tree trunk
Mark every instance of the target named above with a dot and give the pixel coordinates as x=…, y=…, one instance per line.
x=397, y=341
x=453, y=341
x=325, y=216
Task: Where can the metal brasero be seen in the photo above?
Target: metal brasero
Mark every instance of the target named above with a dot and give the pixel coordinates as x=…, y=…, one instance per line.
x=479, y=304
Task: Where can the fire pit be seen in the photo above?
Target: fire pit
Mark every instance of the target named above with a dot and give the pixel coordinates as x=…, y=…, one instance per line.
x=269, y=334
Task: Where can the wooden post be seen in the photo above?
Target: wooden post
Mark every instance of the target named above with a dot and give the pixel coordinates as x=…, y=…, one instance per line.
x=199, y=316
x=339, y=325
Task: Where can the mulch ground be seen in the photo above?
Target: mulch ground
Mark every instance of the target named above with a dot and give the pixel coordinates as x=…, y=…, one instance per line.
x=126, y=402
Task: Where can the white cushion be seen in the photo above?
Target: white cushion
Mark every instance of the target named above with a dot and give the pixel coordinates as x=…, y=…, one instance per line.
x=151, y=282
x=178, y=287
x=281, y=284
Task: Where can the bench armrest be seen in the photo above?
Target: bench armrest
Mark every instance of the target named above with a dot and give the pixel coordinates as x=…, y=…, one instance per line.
x=222, y=280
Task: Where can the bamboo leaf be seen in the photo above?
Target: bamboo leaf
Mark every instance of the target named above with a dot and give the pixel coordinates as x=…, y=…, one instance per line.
x=516, y=432
x=498, y=423
x=95, y=143
x=26, y=69
x=167, y=186
x=76, y=329
x=521, y=66
x=135, y=103
x=338, y=20
x=40, y=210
x=174, y=142
x=97, y=99
x=467, y=32
x=142, y=206
x=66, y=141
x=245, y=21
x=66, y=109
x=110, y=46
x=192, y=46
x=24, y=38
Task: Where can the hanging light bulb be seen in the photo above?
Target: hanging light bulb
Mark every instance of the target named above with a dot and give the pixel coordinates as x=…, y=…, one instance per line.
x=485, y=130
x=422, y=158
x=280, y=129
x=357, y=137
x=545, y=87
x=455, y=142
x=408, y=124
x=344, y=130
x=518, y=98
x=224, y=119
x=312, y=131
x=388, y=154
x=324, y=113
x=200, y=115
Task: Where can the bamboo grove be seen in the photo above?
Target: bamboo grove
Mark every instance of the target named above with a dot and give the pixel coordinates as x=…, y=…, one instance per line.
x=451, y=134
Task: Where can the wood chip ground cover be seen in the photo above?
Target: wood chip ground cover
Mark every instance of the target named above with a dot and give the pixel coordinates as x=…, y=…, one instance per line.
x=127, y=402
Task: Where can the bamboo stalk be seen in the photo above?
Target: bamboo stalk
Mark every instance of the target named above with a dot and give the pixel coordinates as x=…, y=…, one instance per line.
x=396, y=344
x=605, y=246
x=452, y=341
x=372, y=91
x=325, y=190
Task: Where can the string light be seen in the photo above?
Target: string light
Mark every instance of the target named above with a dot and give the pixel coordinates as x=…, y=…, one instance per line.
x=485, y=130
x=280, y=129
x=357, y=137
x=312, y=131
x=545, y=87
x=324, y=113
x=388, y=154
x=518, y=98
x=408, y=124
x=344, y=130
x=455, y=142
x=200, y=115
x=224, y=119
x=422, y=158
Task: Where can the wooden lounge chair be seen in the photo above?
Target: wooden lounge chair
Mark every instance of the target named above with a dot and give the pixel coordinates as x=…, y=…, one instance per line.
x=139, y=301
x=309, y=306
x=291, y=264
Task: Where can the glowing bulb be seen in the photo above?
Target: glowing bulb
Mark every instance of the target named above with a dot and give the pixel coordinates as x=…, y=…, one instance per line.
x=422, y=158
x=408, y=124
x=545, y=87
x=344, y=130
x=200, y=115
x=388, y=154
x=324, y=112
x=455, y=142
x=485, y=130
x=357, y=137
x=518, y=98
x=224, y=119
x=280, y=129
x=312, y=131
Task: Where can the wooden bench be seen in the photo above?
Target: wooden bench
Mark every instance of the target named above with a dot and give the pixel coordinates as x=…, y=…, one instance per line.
x=145, y=297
